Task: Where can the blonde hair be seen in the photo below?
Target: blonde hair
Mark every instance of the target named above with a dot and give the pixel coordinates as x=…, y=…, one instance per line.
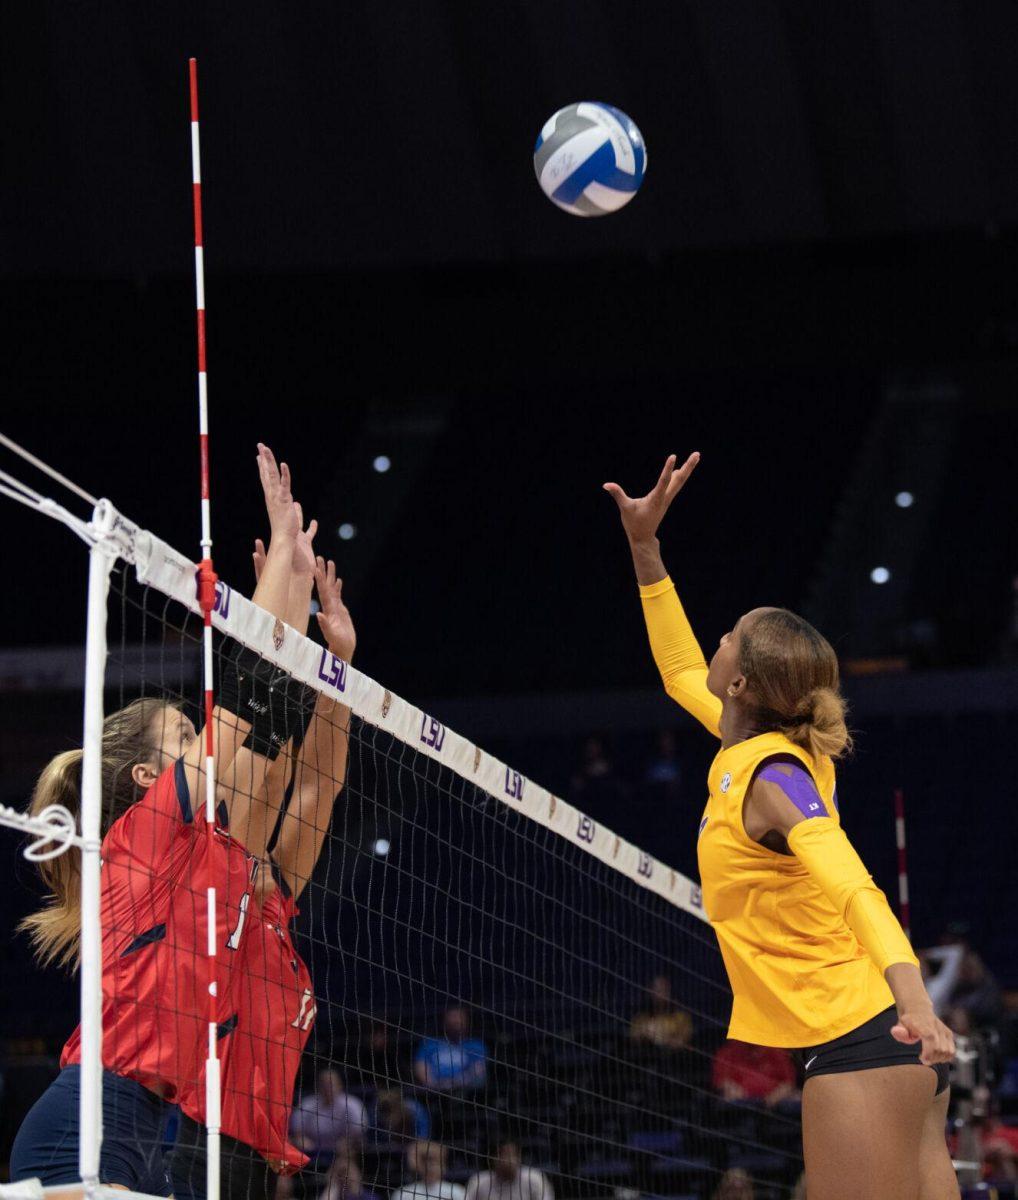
x=127, y=740
x=792, y=676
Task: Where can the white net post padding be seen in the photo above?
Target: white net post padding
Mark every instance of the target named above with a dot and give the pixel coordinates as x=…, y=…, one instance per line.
x=102, y=557
x=108, y=536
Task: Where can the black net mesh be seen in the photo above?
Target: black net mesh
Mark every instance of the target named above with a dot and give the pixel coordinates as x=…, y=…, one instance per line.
x=427, y=992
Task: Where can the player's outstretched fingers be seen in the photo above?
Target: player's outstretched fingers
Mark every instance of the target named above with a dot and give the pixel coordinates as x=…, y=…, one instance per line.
x=666, y=474
x=258, y=558
x=678, y=478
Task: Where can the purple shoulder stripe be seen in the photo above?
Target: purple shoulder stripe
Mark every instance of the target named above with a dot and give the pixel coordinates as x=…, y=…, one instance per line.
x=798, y=787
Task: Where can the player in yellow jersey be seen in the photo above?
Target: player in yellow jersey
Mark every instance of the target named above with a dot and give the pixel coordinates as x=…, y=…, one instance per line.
x=815, y=957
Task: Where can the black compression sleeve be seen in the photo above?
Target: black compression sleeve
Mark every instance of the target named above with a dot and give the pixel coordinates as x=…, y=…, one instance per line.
x=256, y=690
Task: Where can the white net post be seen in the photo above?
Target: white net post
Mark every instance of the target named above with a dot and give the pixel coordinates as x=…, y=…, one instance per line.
x=102, y=557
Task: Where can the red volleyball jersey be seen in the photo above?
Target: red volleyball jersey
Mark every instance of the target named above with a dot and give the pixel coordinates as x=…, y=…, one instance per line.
x=156, y=872
x=261, y=1053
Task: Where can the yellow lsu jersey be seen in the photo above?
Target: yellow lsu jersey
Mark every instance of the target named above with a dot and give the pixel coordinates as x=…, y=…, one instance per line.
x=798, y=973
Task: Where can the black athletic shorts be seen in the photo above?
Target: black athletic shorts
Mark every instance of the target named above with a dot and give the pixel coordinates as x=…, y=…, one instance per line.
x=871, y=1045
x=244, y=1174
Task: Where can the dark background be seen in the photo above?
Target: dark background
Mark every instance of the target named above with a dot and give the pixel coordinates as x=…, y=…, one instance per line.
x=816, y=287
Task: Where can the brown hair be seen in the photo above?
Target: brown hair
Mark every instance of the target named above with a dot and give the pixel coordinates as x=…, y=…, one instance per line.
x=127, y=740
x=792, y=676
x=393, y=1116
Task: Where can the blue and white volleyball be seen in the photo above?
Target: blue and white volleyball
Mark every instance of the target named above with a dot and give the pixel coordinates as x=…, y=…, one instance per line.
x=590, y=159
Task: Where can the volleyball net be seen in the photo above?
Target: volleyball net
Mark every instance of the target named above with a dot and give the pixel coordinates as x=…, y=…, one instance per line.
x=479, y=972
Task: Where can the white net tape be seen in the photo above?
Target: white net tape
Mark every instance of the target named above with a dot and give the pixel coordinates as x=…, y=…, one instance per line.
x=160, y=566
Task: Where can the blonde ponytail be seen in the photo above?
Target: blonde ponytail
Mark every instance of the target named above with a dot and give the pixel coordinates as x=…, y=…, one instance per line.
x=55, y=930
x=820, y=727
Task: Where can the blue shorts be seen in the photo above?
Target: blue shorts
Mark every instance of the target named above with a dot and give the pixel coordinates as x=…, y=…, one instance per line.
x=46, y=1146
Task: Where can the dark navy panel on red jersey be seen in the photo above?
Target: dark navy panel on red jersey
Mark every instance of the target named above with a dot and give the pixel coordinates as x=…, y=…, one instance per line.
x=261, y=1054
x=157, y=867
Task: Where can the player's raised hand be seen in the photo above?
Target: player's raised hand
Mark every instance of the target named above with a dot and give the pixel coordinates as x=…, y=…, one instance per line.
x=258, y=558
x=334, y=619
x=303, y=548
x=642, y=515
x=283, y=519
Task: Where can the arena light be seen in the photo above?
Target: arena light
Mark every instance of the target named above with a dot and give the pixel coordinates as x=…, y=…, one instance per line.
x=382, y=463
x=382, y=847
x=880, y=575
x=347, y=531
x=904, y=499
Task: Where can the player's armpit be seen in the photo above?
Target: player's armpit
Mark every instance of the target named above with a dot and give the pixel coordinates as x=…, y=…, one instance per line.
x=677, y=653
x=821, y=846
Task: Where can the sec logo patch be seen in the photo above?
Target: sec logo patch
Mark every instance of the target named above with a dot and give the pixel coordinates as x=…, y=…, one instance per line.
x=726, y=781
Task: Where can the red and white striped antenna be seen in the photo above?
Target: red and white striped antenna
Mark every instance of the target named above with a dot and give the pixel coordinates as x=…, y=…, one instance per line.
x=206, y=600
x=899, y=838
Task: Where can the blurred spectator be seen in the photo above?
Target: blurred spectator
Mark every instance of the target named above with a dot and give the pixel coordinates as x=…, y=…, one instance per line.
x=508, y=1179
x=999, y=1162
x=662, y=1023
x=663, y=774
x=328, y=1116
x=982, y=1135
x=596, y=779
x=398, y=1118
x=344, y=1181
x=453, y=1063
x=977, y=992
x=377, y=1055
x=745, y=1072
x=735, y=1185
x=957, y=1020
x=426, y=1162
x=956, y=933
x=940, y=966
x=1000, y=1152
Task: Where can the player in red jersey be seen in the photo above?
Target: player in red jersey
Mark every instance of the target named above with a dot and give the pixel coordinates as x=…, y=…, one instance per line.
x=157, y=866
x=275, y=1000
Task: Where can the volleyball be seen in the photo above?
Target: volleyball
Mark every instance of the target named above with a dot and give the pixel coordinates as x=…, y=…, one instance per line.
x=590, y=159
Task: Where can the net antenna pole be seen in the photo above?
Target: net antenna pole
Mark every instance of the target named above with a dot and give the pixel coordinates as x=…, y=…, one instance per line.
x=206, y=600
x=899, y=837
x=100, y=565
